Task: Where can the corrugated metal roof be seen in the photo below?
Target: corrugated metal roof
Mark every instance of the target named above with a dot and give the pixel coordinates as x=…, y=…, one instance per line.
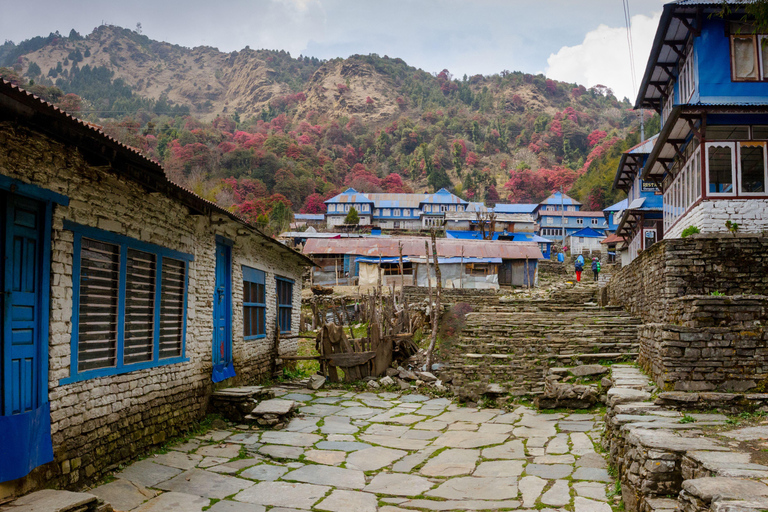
x=549, y=213
x=617, y=207
x=387, y=200
x=613, y=239
x=308, y=216
x=515, y=208
x=555, y=199
x=588, y=233
x=415, y=247
x=151, y=167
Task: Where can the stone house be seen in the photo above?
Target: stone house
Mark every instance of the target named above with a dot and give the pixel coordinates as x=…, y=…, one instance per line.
x=707, y=78
x=125, y=298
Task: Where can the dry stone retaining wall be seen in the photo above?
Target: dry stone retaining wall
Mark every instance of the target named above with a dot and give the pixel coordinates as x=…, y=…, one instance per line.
x=101, y=422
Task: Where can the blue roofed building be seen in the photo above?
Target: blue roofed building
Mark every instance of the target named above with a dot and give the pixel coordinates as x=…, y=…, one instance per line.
x=640, y=223
x=559, y=202
x=394, y=211
x=559, y=215
x=586, y=240
x=610, y=214
x=707, y=76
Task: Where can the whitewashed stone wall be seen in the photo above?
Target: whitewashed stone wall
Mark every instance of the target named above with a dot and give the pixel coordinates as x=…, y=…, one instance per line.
x=710, y=216
x=101, y=422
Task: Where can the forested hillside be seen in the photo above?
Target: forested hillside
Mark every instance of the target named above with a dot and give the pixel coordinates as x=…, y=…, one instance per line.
x=258, y=128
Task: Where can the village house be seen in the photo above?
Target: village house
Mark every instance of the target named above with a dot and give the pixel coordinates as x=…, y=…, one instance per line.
x=394, y=211
x=559, y=216
x=585, y=241
x=125, y=298
x=476, y=264
x=706, y=77
x=640, y=223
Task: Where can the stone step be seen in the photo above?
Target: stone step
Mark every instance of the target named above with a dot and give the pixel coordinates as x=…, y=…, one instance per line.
x=50, y=500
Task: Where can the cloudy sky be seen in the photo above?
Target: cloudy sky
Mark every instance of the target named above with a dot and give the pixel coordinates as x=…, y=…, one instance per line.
x=580, y=41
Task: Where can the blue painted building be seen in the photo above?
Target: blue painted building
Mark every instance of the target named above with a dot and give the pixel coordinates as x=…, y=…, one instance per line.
x=394, y=211
x=559, y=215
x=610, y=214
x=585, y=240
x=640, y=223
x=708, y=79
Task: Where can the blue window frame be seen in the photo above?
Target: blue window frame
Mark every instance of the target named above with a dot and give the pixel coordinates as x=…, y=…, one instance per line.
x=129, y=304
x=284, y=303
x=254, y=304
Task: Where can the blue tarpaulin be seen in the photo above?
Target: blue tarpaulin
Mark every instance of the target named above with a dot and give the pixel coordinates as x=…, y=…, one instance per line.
x=25, y=442
x=222, y=372
x=383, y=260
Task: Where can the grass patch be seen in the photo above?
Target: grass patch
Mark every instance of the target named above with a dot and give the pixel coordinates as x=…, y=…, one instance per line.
x=687, y=419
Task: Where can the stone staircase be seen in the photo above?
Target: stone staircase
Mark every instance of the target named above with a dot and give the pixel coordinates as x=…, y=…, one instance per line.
x=516, y=341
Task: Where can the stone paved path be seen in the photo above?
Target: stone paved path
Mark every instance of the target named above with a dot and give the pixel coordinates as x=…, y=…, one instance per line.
x=366, y=452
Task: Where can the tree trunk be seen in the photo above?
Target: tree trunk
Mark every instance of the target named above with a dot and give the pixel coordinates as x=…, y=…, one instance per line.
x=436, y=307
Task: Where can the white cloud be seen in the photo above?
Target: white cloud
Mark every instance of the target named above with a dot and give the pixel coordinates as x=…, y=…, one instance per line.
x=603, y=57
x=300, y=5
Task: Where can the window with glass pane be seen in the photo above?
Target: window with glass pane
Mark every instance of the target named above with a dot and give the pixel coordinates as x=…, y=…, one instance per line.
x=97, y=318
x=743, y=64
x=254, y=304
x=720, y=168
x=727, y=132
x=139, y=307
x=752, y=167
x=284, y=304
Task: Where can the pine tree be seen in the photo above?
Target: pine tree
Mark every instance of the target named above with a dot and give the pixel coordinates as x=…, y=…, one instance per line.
x=352, y=217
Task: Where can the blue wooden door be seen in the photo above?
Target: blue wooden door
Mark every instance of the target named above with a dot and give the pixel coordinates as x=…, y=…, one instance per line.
x=223, y=367
x=21, y=311
x=25, y=442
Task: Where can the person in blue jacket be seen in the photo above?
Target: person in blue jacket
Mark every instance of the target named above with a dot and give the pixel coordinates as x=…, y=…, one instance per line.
x=579, y=265
x=595, y=267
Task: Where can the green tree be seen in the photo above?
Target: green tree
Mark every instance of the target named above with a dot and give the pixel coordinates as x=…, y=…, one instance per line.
x=352, y=217
x=280, y=217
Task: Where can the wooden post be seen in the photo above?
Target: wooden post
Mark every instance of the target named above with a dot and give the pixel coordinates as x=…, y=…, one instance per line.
x=336, y=270
x=436, y=308
x=461, y=270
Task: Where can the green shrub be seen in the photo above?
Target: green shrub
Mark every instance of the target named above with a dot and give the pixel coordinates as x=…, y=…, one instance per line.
x=690, y=230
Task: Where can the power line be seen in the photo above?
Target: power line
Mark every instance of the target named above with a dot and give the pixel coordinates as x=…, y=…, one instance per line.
x=628, y=24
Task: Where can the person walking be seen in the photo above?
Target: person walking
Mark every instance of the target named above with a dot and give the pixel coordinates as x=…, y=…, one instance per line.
x=595, y=267
x=579, y=266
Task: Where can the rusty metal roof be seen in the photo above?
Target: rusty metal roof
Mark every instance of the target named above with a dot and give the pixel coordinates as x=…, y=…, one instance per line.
x=55, y=122
x=446, y=248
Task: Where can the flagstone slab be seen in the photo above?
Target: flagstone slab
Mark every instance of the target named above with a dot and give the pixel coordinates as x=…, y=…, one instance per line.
x=406, y=464
x=406, y=419
x=227, y=451
x=281, y=452
x=123, y=494
x=299, y=397
x=398, y=484
x=549, y=471
x=459, y=439
x=576, y=426
x=326, y=400
x=305, y=425
x=289, y=438
x=581, y=444
x=431, y=425
x=501, y=468
x=189, y=446
x=338, y=425
x=470, y=487
x=179, y=460
x=359, y=412
x=507, y=419
x=205, y=483
x=452, y=505
x=374, y=458
x=558, y=444
x=236, y=465
x=215, y=436
x=530, y=489
x=320, y=474
x=209, y=462
x=593, y=460
x=344, y=446
x=466, y=414
x=283, y=494
x=319, y=409
x=395, y=442
x=349, y=501
x=174, y=501
x=585, y=505
x=235, y=506
x=555, y=459
x=463, y=425
x=495, y=428
x=379, y=429
x=592, y=490
x=413, y=398
x=510, y=450
x=264, y=472
x=347, y=438
x=593, y=474
x=451, y=462
x=329, y=457
x=425, y=435
x=244, y=438
x=377, y=402
x=558, y=495
x=147, y=473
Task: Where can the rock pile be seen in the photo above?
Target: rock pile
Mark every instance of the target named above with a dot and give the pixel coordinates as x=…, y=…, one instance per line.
x=236, y=403
x=274, y=413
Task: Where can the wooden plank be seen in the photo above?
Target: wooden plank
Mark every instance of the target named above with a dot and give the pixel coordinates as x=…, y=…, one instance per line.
x=351, y=359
